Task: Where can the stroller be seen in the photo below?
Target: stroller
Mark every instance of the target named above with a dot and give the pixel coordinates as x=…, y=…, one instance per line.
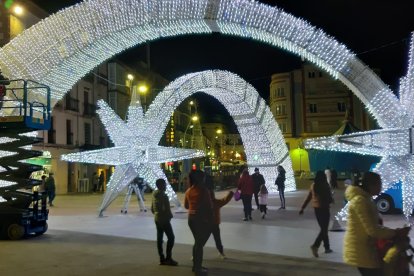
x=396, y=255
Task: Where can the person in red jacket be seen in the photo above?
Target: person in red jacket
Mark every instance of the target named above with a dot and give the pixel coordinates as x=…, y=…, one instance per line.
x=245, y=186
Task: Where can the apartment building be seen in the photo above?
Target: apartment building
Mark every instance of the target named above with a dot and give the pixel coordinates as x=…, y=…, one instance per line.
x=308, y=102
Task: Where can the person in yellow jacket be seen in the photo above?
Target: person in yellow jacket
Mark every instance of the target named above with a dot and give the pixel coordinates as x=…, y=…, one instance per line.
x=363, y=226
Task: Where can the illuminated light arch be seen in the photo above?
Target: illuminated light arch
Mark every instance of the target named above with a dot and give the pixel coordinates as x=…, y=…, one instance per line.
x=61, y=49
x=262, y=139
x=136, y=150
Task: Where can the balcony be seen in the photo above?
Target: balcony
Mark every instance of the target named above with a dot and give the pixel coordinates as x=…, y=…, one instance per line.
x=89, y=109
x=72, y=104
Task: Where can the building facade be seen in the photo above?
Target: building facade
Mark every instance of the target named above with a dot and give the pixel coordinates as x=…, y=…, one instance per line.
x=75, y=125
x=307, y=103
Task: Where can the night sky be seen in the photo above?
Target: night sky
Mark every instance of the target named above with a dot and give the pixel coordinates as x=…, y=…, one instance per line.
x=377, y=31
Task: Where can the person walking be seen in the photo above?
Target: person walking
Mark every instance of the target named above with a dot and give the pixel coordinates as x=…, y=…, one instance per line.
x=364, y=227
x=200, y=216
x=101, y=182
x=263, y=196
x=160, y=207
x=258, y=181
x=280, y=183
x=321, y=197
x=245, y=186
x=217, y=205
x=50, y=189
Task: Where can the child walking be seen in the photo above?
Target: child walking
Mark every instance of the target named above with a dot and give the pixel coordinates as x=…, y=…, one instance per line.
x=263, y=195
x=217, y=204
x=160, y=207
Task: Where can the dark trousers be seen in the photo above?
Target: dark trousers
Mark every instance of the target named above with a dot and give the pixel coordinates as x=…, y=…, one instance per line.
x=322, y=216
x=201, y=232
x=256, y=198
x=247, y=205
x=282, y=197
x=167, y=229
x=51, y=195
x=263, y=208
x=370, y=271
x=217, y=237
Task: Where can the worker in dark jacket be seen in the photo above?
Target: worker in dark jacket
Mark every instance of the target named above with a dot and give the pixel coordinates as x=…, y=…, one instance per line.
x=50, y=188
x=160, y=207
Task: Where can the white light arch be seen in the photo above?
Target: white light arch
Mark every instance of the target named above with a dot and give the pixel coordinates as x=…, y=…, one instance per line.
x=61, y=49
x=262, y=139
x=136, y=150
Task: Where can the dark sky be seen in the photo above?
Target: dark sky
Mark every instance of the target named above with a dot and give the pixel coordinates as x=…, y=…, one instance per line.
x=377, y=31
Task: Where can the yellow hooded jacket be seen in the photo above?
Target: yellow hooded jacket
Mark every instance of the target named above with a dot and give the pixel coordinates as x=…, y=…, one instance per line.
x=363, y=230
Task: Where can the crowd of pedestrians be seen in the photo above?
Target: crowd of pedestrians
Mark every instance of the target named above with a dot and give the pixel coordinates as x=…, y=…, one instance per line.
x=364, y=228
x=204, y=211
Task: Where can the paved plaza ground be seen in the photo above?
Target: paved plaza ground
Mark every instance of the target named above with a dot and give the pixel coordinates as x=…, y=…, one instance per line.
x=80, y=243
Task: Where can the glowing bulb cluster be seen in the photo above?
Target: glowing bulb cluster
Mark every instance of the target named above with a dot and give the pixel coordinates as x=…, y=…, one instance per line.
x=262, y=139
x=61, y=49
x=394, y=143
x=136, y=151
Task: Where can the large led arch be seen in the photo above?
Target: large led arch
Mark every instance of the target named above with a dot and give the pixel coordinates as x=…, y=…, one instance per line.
x=61, y=49
x=136, y=149
x=262, y=139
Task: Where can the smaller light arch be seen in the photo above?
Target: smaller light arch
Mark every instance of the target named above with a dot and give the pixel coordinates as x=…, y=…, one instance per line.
x=262, y=139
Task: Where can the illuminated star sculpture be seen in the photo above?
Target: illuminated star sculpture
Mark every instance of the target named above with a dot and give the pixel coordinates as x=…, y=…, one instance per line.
x=394, y=145
x=136, y=152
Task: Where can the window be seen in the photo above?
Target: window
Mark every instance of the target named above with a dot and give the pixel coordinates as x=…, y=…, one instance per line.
x=320, y=74
x=311, y=75
x=87, y=129
x=341, y=107
x=280, y=109
x=313, y=108
x=51, y=134
x=283, y=127
x=274, y=93
x=280, y=92
x=69, y=134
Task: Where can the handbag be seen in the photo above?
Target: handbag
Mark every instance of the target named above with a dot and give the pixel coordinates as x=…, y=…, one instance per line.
x=237, y=195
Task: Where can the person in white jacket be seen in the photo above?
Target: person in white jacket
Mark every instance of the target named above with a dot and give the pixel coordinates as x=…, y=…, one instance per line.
x=364, y=228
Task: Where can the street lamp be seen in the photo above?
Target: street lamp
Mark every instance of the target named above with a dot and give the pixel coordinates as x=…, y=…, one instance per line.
x=194, y=119
x=18, y=10
x=142, y=89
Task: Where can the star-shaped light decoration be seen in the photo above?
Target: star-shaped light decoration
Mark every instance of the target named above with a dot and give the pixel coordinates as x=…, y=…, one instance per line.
x=394, y=145
x=136, y=152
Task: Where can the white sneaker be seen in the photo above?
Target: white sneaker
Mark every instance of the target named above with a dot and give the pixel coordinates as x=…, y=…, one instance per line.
x=222, y=256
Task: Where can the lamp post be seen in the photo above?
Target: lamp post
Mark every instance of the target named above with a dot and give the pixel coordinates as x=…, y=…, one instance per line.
x=219, y=132
x=193, y=119
x=142, y=89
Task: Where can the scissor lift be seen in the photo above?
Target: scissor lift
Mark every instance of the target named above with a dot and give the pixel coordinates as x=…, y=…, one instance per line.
x=24, y=107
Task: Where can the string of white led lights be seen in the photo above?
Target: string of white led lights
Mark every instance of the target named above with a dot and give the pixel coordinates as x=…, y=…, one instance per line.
x=61, y=49
x=136, y=149
x=136, y=152
x=394, y=145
